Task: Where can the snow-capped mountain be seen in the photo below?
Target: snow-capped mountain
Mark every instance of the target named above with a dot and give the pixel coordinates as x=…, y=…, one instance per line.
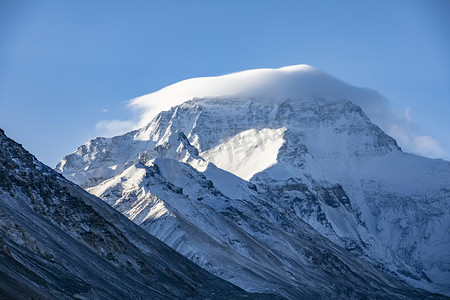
x=269, y=177
x=59, y=242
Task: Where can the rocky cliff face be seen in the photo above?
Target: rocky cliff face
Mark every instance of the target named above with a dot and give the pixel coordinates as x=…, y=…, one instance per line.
x=280, y=187
x=59, y=242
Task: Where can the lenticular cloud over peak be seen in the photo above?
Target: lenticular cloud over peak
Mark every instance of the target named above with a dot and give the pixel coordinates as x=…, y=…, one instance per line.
x=299, y=82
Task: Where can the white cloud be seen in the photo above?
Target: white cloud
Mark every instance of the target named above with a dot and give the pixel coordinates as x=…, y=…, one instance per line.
x=427, y=146
x=411, y=138
x=408, y=114
x=105, y=110
x=110, y=128
x=400, y=133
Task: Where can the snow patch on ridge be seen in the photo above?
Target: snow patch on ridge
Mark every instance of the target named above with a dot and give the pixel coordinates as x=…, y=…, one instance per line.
x=248, y=153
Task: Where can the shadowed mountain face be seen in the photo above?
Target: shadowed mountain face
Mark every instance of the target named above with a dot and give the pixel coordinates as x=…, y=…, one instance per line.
x=277, y=197
x=59, y=242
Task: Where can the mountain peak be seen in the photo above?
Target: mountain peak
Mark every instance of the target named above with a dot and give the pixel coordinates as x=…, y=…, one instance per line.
x=298, y=82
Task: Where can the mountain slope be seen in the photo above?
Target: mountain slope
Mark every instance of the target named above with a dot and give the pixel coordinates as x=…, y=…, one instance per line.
x=253, y=243
x=59, y=242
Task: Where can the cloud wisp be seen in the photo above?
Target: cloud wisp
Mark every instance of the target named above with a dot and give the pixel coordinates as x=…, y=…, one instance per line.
x=411, y=138
x=110, y=128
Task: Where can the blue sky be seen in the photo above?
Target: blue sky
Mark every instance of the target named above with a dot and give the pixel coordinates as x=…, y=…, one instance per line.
x=67, y=65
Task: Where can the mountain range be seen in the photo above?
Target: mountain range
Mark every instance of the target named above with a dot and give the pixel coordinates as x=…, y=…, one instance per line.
x=279, y=181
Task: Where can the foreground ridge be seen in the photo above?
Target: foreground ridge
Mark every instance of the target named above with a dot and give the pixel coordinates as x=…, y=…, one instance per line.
x=59, y=242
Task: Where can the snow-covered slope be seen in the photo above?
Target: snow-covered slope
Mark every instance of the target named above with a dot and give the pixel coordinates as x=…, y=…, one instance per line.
x=304, y=151
x=59, y=242
x=249, y=241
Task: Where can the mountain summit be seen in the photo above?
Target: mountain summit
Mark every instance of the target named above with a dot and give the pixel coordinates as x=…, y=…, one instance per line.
x=282, y=183
x=298, y=82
